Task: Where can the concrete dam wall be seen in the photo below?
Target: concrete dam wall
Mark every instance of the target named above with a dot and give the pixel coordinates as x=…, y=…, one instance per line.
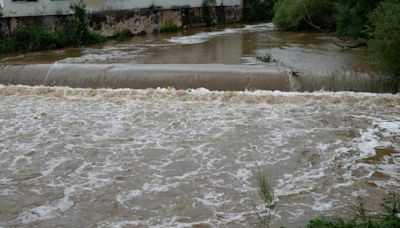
x=138, y=76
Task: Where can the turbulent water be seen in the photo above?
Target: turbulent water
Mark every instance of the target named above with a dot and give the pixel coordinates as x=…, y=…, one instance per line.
x=175, y=158
x=320, y=63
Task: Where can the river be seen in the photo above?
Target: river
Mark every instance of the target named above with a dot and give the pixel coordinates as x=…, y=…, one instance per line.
x=165, y=157
x=320, y=64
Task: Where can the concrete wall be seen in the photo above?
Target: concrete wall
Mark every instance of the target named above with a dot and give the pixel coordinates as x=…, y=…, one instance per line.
x=145, y=20
x=61, y=7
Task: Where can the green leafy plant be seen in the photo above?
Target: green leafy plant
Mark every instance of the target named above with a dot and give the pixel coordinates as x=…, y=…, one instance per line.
x=352, y=17
x=305, y=14
x=385, y=40
x=391, y=204
x=362, y=219
x=80, y=26
x=122, y=35
x=169, y=28
x=34, y=38
x=258, y=10
x=207, y=13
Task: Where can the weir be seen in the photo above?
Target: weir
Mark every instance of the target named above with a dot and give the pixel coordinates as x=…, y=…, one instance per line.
x=142, y=76
x=221, y=77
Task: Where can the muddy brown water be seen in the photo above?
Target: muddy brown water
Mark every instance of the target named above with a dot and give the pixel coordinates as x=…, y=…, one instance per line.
x=182, y=158
x=131, y=157
x=320, y=63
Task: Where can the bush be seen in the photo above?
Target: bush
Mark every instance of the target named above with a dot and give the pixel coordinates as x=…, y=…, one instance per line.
x=258, y=10
x=34, y=38
x=207, y=13
x=122, y=35
x=6, y=46
x=169, y=28
x=385, y=41
x=305, y=14
x=352, y=17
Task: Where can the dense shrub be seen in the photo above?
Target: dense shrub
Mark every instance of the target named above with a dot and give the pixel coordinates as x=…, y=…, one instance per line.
x=305, y=14
x=385, y=41
x=258, y=10
x=80, y=27
x=207, y=13
x=33, y=38
x=169, y=28
x=352, y=17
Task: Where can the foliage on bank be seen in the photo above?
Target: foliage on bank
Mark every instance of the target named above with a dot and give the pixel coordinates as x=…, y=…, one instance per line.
x=258, y=10
x=361, y=217
x=352, y=17
x=374, y=22
x=34, y=38
x=385, y=36
x=305, y=14
x=169, y=28
x=389, y=219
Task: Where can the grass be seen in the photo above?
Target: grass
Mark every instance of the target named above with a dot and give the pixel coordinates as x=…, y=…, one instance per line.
x=122, y=35
x=265, y=189
x=34, y=38
x=362, y=219
x=266, y=58
x=267, y=195
x=169, y=28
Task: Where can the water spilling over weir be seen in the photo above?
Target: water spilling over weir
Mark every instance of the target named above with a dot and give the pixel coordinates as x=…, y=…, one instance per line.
x=214, y=77
x=185, y=76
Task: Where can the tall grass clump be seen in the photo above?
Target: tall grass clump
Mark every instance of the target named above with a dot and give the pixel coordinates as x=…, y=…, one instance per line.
x=266, y=58
x=267, y=195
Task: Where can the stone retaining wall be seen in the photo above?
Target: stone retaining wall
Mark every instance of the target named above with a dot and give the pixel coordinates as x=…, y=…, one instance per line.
x=137, y=21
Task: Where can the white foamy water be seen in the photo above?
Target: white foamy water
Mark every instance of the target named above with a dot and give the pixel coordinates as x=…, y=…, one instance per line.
x=205, y=36
x=168, y=158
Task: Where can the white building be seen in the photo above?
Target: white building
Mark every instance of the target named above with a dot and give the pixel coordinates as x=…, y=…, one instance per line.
x=26, y=8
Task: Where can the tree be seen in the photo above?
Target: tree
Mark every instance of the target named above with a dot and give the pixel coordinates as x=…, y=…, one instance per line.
x=385, y=40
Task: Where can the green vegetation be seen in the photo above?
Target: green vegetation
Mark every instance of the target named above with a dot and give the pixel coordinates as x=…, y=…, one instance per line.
x=258, y=10
x=372, y=22
x=122, y=35
x=207, y=14
x=267, y=195
x=390, y=218
x=81, y=34
x=352, y=17
x=169, y=28
x=305, y=14
x=266, y=58
x=385, y=36
x=34, y=38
